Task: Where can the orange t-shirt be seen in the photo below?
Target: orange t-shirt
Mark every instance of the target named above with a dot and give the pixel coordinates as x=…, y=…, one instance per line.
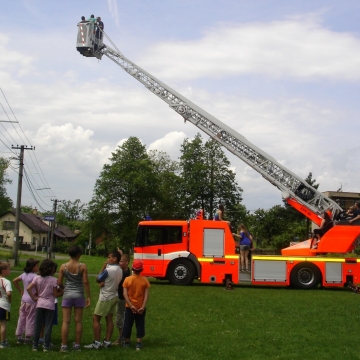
x=136, y=285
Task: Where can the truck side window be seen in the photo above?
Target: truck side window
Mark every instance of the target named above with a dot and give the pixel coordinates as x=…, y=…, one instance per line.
x=158, y=235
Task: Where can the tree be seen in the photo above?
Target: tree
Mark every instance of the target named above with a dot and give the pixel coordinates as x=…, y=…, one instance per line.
x=168, y=198
x=25, y=209
x=276, y=227
x=5, y=202
x=71, y=210
x=207, y=178
x=124, y=194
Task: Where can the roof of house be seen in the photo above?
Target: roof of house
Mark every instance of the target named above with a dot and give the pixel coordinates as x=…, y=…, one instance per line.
x=65, y=231
x=36, y=224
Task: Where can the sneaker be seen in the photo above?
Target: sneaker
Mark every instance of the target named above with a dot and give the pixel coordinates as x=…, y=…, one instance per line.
x=41, y=341
x=106, y=344
x=76, y=347
x=4, y=345
x=138, y=346
x=35, y=348
x=27, y=341
x=48, y=348
x=20, y=341
x=95, y=345
x=63, y=348
x=126, y=345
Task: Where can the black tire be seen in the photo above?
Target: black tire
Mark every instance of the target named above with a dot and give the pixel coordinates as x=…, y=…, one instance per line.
x=181, y=272
x=305, y=276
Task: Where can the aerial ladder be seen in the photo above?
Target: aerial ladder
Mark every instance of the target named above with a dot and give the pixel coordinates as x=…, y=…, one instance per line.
x=295, y=190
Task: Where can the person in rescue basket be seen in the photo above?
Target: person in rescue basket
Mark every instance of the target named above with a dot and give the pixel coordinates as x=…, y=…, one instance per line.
x=76, y=281
x=124, y=264
x=136, y=294
x=99, y=28
x=109, y=279
x=245, y=246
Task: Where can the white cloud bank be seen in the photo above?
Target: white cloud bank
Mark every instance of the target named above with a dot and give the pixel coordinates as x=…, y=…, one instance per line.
x=297, y=48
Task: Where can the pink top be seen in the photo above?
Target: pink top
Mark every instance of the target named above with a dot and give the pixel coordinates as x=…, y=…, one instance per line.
x=27, y=279
x=45, y=290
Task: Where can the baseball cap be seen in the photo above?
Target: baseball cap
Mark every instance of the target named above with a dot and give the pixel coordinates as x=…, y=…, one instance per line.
x=137, y=265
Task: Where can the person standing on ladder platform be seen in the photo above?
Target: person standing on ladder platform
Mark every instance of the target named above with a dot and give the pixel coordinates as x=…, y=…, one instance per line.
x=100, y=28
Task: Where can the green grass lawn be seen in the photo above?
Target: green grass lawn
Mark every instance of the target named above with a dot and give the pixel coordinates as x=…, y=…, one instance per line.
x=207, y=322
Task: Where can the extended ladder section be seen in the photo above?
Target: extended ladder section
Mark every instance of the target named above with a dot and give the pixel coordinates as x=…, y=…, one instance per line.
x=296, y=191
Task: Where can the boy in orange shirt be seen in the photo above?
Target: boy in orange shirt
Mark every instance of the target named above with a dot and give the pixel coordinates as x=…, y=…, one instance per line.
x=136, y=294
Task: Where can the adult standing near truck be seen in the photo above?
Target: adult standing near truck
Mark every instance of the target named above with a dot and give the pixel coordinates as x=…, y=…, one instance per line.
x=76, y=279
x=245, y=246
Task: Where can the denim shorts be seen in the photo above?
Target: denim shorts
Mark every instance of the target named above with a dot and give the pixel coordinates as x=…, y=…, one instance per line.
x=244, y=247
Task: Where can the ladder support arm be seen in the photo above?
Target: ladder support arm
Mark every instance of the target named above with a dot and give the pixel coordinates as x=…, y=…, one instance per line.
x=296, y=191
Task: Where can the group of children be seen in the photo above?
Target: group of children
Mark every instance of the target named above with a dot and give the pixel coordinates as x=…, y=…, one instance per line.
x=121, y=293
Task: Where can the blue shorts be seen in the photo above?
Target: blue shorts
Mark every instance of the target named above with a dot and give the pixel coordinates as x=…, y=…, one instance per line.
x=4, y=314
x=76, y=303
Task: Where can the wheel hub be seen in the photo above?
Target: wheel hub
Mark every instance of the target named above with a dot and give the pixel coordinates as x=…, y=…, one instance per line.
x=306, y=276
x=180, y=272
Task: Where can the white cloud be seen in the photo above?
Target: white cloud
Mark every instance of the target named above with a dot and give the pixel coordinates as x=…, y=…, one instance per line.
x=299, y=48
x=113, y=9
x=15, y=61
x=170, y=143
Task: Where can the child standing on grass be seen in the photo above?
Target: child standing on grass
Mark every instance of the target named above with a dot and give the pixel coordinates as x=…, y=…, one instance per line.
x=110, y=276
x=76, y=281
x=124, y=264
x=26, y=321
x=136, y=294
x=46, y=290
x=5, y=302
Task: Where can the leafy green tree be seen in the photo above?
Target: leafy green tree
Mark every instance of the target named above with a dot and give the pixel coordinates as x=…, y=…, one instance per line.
x=124, y=194
x=207, y=178
x=5, y=202
x=71, y=210
x=168, y=198
x=276, y=227
x=25, y=209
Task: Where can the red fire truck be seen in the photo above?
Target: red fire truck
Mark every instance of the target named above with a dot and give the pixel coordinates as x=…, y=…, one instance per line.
x=182, y=251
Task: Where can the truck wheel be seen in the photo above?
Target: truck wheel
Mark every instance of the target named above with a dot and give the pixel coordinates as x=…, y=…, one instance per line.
x=181, y=272
x=305, y=276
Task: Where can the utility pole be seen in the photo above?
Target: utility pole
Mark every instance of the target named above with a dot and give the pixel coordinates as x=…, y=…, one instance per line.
x=16, y=244
x=52, y=228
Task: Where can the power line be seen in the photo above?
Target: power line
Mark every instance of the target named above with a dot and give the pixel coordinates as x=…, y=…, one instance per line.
x=34, y=161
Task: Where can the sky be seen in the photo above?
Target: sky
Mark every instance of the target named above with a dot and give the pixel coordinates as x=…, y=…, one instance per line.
x=284, y=74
